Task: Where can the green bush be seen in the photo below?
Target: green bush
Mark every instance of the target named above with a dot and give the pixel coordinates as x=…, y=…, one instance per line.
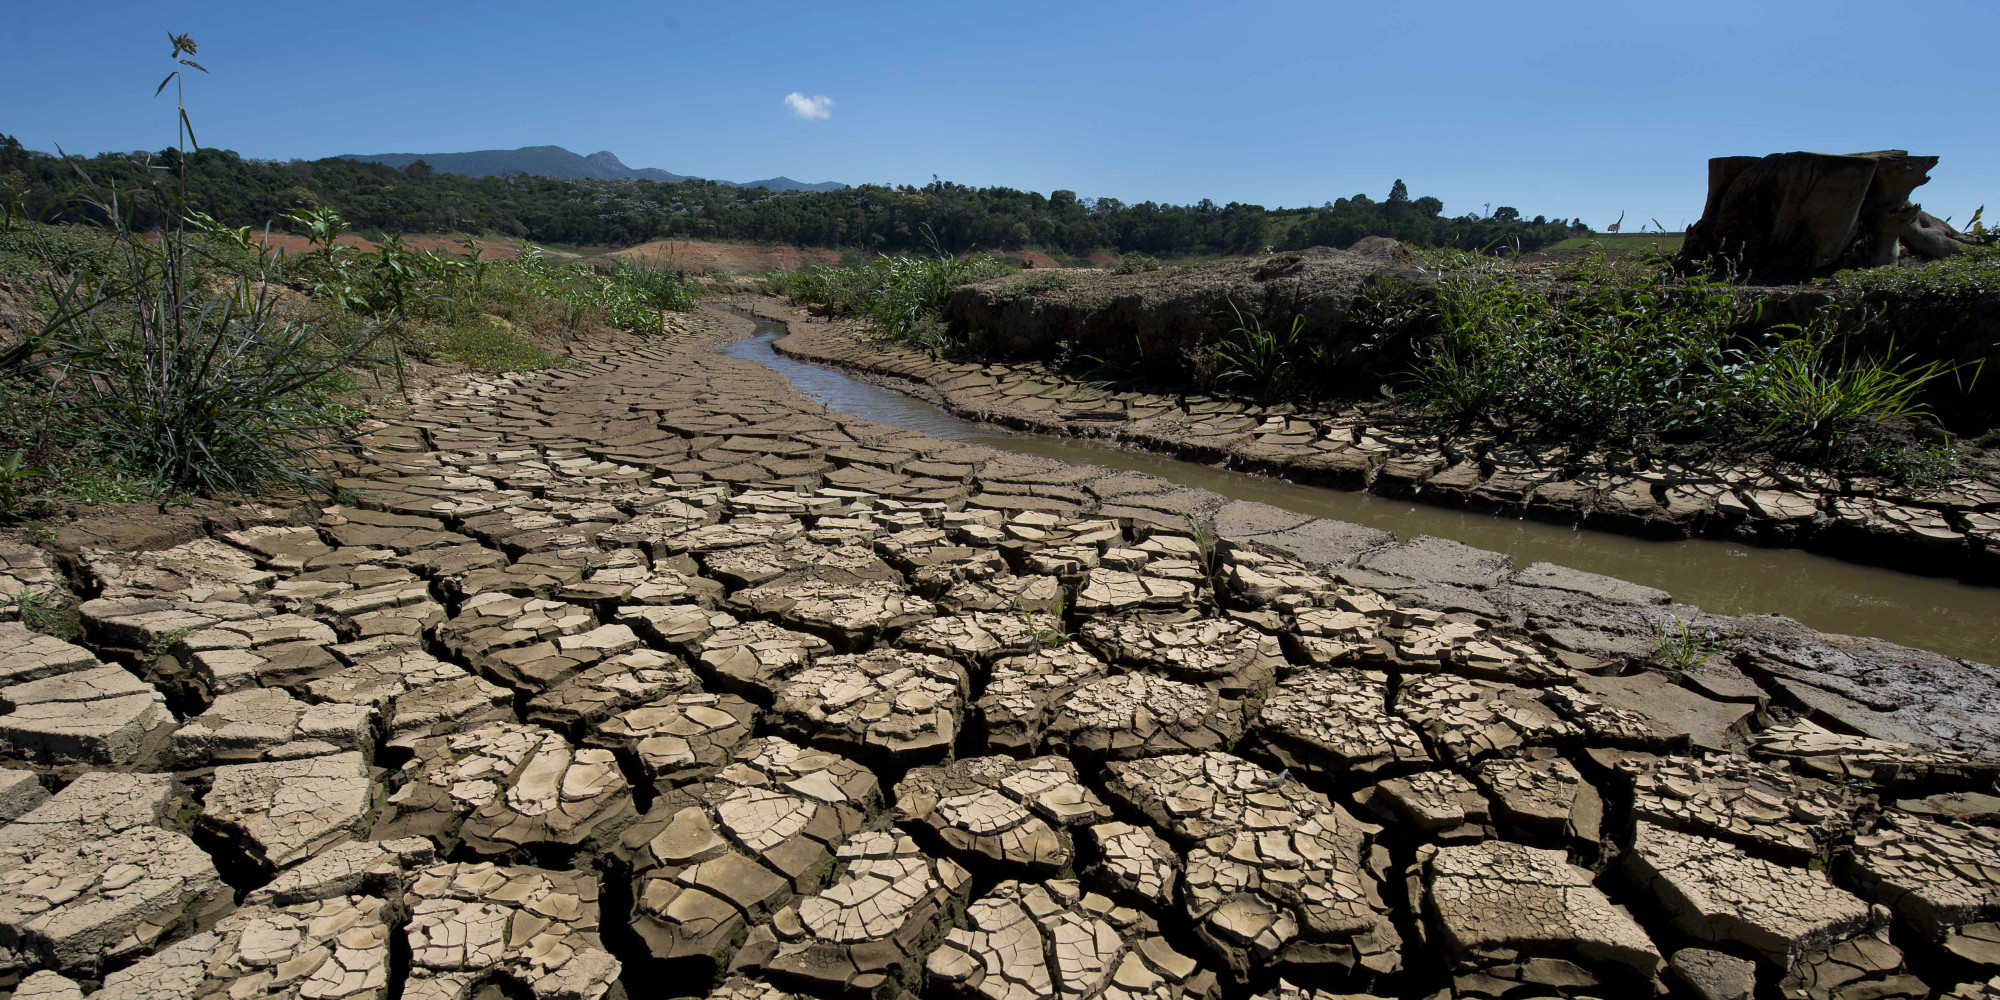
x=1630, y=355
x=896, y=295
x=1136, y=263
x=220, y=394
x=15, y=476
x=189, y=387
x=493, y=345
x=905, y=290
x=1924, y=466
x=1266, y=362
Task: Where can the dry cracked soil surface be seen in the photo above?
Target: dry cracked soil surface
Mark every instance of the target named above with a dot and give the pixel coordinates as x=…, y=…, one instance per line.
x=649, y=677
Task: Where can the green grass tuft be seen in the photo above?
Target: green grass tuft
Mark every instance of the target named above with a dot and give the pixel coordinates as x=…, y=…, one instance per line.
x=492, y=345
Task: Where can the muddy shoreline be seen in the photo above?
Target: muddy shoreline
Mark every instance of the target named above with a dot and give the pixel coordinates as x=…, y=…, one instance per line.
x=1936, y=533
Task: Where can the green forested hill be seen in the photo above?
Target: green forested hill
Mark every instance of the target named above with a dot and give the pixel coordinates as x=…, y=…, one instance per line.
x=248, y=192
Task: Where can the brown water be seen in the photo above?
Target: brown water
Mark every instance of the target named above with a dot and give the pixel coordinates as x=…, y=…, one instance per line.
x=1834, y=596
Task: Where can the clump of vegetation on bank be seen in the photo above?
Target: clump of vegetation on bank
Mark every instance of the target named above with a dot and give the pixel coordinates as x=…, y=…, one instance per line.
x=1592, y=356
x=142, y=365
x=1633, y=356
x=1973, y=272
x=200, y=361
x=900, y=296
x=1134, y=262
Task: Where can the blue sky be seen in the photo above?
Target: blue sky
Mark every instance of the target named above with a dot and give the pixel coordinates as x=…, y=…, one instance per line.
x=1559, y=108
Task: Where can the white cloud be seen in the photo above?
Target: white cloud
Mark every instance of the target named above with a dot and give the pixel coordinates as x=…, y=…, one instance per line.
x=818, y=106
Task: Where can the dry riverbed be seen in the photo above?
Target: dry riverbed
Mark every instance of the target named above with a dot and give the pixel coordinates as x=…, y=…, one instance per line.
x=652, y=677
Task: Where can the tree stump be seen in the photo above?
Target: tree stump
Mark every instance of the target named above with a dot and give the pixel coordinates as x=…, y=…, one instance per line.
x=1793, y=216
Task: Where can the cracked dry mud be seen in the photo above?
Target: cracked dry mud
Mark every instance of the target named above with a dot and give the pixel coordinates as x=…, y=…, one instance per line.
x=649, y=678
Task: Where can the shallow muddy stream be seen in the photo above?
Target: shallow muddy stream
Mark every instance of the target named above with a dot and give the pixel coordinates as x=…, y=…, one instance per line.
x=1724, y=578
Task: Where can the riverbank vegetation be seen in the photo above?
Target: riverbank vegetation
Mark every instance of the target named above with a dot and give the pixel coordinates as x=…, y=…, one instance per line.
x=1637, y=358
x=957, y=218
x=201, y=361
x=156, y=351
x=901, y=296
x=1589, y=356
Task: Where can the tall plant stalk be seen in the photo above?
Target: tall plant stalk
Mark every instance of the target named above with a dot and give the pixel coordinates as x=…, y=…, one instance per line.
x=176, y=249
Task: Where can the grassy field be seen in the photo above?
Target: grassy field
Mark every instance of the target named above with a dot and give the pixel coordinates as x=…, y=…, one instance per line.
x=1616, y=243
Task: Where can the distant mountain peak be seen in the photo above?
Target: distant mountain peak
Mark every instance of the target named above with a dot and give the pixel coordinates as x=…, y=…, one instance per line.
x=555, y=161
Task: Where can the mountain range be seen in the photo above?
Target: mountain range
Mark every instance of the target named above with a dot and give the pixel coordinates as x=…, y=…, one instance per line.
x=555, y=161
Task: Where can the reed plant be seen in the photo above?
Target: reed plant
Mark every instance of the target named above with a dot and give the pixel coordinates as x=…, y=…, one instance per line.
x=180, y=376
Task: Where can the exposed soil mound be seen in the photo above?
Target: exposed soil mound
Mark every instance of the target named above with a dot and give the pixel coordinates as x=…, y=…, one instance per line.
x=697, y=257
x=293, y=245
x=1171, y=307
x=1031, y=257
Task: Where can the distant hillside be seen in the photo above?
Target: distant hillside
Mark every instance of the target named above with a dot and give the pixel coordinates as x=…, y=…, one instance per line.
x=376, y=197
x=555, y=161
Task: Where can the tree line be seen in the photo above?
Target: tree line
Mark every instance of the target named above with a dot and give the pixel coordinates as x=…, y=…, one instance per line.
x=248, y=192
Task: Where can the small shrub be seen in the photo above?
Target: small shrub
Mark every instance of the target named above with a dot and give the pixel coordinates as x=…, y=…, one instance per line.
x=1925, y=466
x=216, y=395
x=102, y=487
x=493, y=345
x=1031, y=286
x=896, y=295
x=1046, y=628
x=166, y=641
x=1609, y=358
x=1135, y=262
x=1982, y=233
x=1680, y=646
x=906, y=289
x=778, y=283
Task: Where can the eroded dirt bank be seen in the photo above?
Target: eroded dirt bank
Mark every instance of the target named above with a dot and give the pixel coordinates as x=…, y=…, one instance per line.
x=652, y=676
